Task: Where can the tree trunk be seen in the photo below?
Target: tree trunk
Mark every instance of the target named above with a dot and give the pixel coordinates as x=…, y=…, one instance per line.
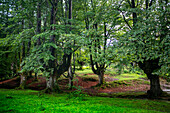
x=23, y=81
x=52, y=85
x=70, y=68
x=70, y=77
x=51, y=81
x=155, y=89
x=36, y=77
x=81, y=67
x=22, y=56
x=134, y=13
x=101, y=77
x=39, y=21
x=16, y=65
x=38, y=31
x=149, y=66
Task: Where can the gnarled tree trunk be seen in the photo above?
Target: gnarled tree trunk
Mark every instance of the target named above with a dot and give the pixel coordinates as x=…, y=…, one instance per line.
x=149, y=66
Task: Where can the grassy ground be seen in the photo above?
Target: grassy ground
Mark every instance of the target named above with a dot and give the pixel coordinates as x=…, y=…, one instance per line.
x=123, y=76
x=29, y=101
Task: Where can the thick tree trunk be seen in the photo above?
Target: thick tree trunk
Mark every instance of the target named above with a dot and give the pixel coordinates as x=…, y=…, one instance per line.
x=101, y=77
x=52, y=85
x=155, y=89
x=149, y=66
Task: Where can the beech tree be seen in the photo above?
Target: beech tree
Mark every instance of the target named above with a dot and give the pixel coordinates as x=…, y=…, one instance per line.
x=53, y=56
x=100, y=28
x=146, y=37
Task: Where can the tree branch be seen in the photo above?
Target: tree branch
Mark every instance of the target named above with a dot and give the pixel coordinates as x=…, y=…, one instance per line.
x=137, y=3
x=150, y=3
x=129, y=3
x=125, y=19
x=51, y=2
x=65, y=75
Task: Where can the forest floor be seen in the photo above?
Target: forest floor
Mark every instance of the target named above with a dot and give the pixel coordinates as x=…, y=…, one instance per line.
x=87, y=83
x=32, y=101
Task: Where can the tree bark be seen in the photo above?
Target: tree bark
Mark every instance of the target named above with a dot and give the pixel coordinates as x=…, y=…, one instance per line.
x=134, y=14
x=70, y=12
x=23, y=76
x=149, y=66
x=155, y=89
x=70, y=77
x=38, y=30
x=51, y=85
x=23, y=81
x=70, y=68
x=39, y=21
x=51, y=82
x=101, y=77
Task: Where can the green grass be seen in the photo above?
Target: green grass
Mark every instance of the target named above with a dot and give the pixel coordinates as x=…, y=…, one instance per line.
x=124, y=76
x=85, y=71
x=128, y=76
x=129, y=94
x=89, y=70
x=29, y=101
